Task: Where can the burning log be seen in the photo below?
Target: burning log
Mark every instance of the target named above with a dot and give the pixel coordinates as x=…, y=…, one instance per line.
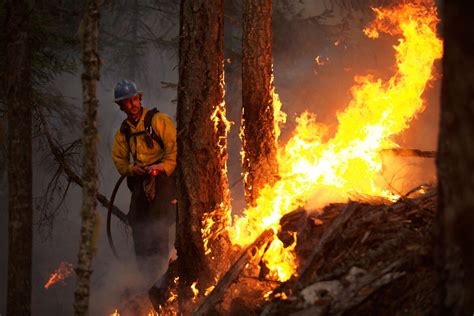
x=406, y=152
x=64, y=270
x=231, y=275
x=290, y=224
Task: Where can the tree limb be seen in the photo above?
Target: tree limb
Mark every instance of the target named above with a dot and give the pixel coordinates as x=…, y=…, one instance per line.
x=231, y=275
x=58, y=156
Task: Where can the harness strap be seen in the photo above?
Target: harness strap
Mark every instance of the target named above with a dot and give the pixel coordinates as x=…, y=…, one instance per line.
x=149, y=132
x=149, y=128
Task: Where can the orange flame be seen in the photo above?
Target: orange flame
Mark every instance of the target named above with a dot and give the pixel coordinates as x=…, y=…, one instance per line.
x=210, y=228
x=151, y=312
x=195, y=291
x=64, y=270
x=350, y=163
x=280, y=261
x=321, y=61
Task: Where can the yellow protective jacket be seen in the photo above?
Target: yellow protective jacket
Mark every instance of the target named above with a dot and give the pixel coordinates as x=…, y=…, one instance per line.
x=164, y=128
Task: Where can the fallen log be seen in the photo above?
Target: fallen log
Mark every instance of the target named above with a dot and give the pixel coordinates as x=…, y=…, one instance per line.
x=334, y=297
x=336, y=227
x=231, y=275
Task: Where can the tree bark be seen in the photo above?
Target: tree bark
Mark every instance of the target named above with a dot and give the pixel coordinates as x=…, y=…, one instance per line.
x=456, y=159
x=258, y=133
x=90, y=76
x=202, y=140
x=18, y=91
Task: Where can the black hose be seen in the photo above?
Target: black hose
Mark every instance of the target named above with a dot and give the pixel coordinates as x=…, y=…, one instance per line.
x=109, y=216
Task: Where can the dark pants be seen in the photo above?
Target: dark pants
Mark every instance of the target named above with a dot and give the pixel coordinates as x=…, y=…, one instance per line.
x=151, y=220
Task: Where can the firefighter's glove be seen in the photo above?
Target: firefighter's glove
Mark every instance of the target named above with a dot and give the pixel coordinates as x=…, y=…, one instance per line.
x=139, y=170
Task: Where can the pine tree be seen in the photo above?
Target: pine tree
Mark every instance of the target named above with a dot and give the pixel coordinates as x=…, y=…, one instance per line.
x=259, y=143
x=202, y=129
x=18, y=92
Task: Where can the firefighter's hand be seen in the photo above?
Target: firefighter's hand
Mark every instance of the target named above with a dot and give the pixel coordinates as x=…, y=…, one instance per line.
x=156, y=169
x=138, y=170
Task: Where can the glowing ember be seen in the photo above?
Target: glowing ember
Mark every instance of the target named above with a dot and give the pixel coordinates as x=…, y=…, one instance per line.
x=320, y=61
x=62, y=272
x=151, y=312
x=282, y=295
x=349, y=163
x=209, y=290
x=173, y=296
x=195, y=291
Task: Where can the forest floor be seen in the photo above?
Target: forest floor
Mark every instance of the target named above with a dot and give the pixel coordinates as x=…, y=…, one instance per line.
x=358, y=258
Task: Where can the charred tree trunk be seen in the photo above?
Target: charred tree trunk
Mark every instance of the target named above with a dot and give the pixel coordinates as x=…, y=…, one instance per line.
x=91, y=64
x=456, y=160
x=18, y=92
x=202, y=154
x=258, y=137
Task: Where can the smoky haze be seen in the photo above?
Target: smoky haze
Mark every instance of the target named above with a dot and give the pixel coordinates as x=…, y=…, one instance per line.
x=300, y=36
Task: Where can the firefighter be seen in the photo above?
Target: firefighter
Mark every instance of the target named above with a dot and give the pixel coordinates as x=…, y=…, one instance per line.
x=149, y=137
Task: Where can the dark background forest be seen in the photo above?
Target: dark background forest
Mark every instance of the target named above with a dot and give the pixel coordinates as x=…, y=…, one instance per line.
x=139, y=41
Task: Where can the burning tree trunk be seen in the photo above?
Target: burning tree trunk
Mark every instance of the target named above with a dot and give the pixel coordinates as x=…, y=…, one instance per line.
x=90, y=60
x=456, y=158
x=18, y=92
x=202, y=128
x=258, y=134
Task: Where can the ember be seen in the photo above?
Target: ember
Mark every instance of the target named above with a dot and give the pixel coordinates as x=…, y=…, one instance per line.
x=195, y=291
x=62, y=272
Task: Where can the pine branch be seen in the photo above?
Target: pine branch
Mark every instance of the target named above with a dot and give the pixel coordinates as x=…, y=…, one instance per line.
x=72, y=175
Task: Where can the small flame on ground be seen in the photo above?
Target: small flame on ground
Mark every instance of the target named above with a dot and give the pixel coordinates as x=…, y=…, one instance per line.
x=267, y=295
x=150, y=313
x=64, y=270
x=280, y=261
x=321, y=61
x=282, y=295
x=195, y=291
